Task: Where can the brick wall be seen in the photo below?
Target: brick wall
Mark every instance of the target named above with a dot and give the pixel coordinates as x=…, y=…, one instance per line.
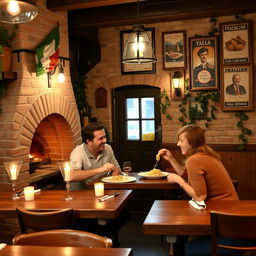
x=28, y=100
x=107, y=73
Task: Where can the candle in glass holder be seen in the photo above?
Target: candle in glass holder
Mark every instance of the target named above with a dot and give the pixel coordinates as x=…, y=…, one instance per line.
x=29, y=193
x=67, y=172
x=13, y=172
x=99, y=189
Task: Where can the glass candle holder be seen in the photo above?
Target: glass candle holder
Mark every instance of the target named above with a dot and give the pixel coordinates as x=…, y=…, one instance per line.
x=99, y=188
x=29, y=193
x=13, y=170
x=67, y=168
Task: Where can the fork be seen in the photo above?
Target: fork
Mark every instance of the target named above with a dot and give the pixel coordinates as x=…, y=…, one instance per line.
x=156, y=164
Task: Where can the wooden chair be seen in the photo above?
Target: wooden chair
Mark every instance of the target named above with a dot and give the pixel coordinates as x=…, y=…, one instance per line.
x=30, y=221
x=62, y=237
x=234, y=232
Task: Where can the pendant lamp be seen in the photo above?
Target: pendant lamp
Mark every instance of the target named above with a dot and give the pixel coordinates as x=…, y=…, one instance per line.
x=138, y=47
x=17, y=11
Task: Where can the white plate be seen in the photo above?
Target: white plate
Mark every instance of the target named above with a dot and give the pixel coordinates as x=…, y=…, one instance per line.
x=125, y=179
x=150, y=177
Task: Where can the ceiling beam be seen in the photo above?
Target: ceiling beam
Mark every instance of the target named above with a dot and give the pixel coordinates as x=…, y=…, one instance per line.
x=64, y=5
x=157, y=11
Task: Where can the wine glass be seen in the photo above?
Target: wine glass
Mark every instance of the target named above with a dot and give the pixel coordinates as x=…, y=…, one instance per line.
x=127, y=167
x=13, y=170
x=67, y=168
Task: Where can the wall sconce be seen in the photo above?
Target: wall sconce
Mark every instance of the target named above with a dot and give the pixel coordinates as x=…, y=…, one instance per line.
x=177, y=84
x=60, y=77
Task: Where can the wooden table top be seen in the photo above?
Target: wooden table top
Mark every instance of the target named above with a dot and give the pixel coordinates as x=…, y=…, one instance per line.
x=141, y=183
x=24, y=250
x=85, y=204
x=171, y=217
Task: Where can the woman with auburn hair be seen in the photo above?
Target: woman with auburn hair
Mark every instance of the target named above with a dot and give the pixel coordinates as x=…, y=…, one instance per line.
x=207, y=178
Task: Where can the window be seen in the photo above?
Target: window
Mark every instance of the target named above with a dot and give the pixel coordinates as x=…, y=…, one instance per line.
x=140, y=119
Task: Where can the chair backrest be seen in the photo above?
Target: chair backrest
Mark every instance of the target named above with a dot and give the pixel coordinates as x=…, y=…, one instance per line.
x=62, y=237
x=30, y=221
x=239, y=229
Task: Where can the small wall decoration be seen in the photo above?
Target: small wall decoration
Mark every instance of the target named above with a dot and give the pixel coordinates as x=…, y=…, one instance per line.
x=204, y=63
x=237, y=88
x=101, y=97
x=141, y=67
x=236, y=42
x=174, y=49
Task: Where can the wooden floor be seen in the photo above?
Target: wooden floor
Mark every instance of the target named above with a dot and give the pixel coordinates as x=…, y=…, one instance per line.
x=131, y=236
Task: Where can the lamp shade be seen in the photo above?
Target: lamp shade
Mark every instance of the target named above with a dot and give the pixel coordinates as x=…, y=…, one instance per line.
x=176, y=80
x=17, y=11
x=138, y=47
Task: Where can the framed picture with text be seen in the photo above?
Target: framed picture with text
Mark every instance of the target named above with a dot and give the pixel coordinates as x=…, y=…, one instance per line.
x=237, y=87
x=136, y=68
x=174, y=49
x=204, y=70
x=236, y=42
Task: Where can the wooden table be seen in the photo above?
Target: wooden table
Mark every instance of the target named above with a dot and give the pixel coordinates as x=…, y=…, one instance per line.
x=86, y=205
x=179, y=218
x=141, y=183
x=23, y=250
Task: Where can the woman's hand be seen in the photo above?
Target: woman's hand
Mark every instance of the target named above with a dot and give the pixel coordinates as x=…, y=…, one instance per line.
x=175, y=178
x=165, y=153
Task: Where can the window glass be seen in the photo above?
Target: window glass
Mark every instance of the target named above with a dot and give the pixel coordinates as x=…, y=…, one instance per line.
x=133, y=130
x=147, y=108
x=148, y=130
x=132, y=108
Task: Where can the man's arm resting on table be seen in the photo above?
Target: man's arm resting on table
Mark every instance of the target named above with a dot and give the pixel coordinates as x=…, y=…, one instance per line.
x=80, y=175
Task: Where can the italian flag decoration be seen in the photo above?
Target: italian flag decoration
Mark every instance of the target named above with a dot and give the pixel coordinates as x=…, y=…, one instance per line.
x=47, y=53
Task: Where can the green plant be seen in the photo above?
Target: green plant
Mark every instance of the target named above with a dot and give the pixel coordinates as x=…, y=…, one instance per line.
x=201, y=106
x=165, y=102
x=245, y=132
x=5, y=37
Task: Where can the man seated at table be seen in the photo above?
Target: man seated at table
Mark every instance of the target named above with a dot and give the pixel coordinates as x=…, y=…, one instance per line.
x=93, y=158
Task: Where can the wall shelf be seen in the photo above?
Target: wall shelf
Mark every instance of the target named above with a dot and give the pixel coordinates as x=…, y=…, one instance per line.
x=9, y=75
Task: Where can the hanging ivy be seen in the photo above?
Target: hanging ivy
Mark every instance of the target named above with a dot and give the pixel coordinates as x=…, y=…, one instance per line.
x=165, y=102
x=200, y=107
x=245, y=132
x=214, y=28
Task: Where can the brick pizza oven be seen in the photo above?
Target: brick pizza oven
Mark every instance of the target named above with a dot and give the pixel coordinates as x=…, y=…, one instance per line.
x=37, y=120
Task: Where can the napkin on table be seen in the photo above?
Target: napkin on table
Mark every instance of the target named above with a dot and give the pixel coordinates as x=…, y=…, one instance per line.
x=2, y=246
x=199, y=205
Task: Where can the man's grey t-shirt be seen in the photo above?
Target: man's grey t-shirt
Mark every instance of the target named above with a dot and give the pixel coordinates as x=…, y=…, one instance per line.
x=84, y=160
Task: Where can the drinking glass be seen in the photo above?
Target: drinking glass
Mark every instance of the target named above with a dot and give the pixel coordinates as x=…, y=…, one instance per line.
x=67, y=168
x=13, y=170
x=127, y=167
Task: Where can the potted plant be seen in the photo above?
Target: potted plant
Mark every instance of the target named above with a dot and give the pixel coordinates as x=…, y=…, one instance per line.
x=5, y=48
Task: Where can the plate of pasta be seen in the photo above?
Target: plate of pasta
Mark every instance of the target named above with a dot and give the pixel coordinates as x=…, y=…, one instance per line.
x=118, y=179
x=153, y=174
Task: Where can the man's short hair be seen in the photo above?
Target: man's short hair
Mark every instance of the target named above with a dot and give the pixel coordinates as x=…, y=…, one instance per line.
x=201, y=50
x=87, y=131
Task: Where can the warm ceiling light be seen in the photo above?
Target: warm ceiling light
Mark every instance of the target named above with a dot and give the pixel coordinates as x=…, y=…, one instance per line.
x=138, y=47
x=17, y=11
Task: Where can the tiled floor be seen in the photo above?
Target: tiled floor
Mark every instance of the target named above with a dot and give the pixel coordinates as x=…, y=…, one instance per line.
x=131, y=236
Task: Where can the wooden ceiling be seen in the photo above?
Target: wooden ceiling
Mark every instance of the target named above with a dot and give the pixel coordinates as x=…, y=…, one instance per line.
x=88, y=14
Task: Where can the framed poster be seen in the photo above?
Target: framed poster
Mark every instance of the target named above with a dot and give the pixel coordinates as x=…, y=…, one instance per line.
x=236, y=42
x=204, y=63
x=174, y=49
x=136, y=68
x=237, y=87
